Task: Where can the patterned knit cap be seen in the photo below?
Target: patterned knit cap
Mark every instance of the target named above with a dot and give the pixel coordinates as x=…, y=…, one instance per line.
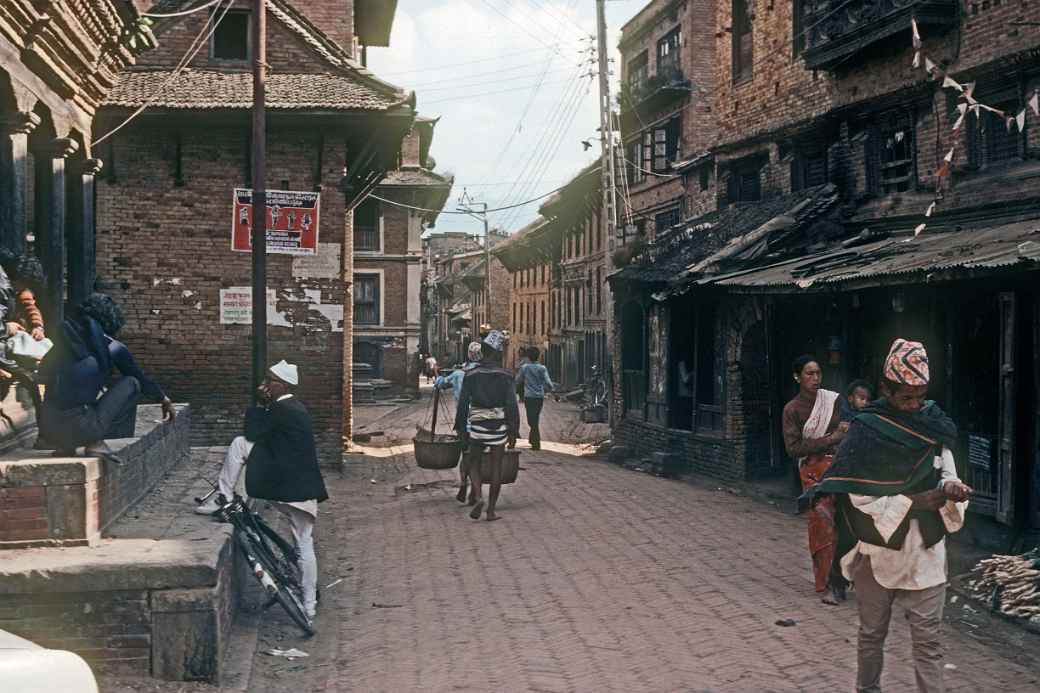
x=494, y=340
x=907, y=363
x=473, y=353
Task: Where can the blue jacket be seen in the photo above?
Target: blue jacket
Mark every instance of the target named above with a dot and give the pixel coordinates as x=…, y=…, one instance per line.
x=535, y=379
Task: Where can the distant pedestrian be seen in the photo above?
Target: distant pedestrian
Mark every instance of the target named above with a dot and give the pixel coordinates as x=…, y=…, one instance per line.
x=488, y=417
x=898, y=496
x=533, y=379
x=857, y=396
x=431, y=368
x=812, y=430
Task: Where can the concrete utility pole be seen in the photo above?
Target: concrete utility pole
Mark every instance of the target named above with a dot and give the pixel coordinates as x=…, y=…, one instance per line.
x=608, y=217
x=466, y=205
x=259, y=154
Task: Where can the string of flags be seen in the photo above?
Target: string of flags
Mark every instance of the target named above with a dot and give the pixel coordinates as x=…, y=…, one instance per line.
x=967, y=103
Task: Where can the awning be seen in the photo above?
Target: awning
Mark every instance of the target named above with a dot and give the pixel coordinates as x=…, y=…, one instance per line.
x=930, y=257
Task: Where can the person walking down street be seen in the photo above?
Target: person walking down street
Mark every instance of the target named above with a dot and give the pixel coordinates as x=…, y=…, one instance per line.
x=431, y=368
x=812, y=430
x=533, y=379
x=898, y=497
x=488, y=417
x=857, y=396
x=75, y=373
x=454, y=383
x=281, y=462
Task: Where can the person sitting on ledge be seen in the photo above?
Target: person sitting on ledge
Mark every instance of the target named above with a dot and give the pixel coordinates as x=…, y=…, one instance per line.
x=75, y=372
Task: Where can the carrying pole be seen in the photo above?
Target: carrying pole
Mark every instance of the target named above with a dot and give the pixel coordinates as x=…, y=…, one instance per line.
x=436, y=403
x=259, y=240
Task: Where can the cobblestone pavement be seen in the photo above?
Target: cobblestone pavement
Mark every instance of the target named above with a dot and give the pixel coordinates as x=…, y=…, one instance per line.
x=596, y=579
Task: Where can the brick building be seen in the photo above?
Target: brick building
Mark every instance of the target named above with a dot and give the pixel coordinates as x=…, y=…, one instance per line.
x=860, y=192
x=436, y=247
x=388, y=263
x=164, y=205
x=666, y=114
x=57, y=63
x=556, y=263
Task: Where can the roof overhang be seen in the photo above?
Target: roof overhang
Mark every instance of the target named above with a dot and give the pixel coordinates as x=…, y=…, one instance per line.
x=373, y=21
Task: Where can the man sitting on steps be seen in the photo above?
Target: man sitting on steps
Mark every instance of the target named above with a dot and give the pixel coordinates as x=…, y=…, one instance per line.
x=282, y=467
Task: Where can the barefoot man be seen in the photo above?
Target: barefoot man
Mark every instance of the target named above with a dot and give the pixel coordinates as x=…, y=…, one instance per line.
x=489, y=418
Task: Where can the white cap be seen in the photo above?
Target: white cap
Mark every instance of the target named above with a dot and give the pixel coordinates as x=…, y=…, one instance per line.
x=286, y=372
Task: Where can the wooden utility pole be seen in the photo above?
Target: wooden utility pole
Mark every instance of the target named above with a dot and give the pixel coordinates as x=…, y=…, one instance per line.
x=348, y=320
x=259, y=154
x=608, y=182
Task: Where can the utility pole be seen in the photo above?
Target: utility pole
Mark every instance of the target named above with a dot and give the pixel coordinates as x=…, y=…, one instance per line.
x=608, y=217
x=259, y=154
x=466, y=205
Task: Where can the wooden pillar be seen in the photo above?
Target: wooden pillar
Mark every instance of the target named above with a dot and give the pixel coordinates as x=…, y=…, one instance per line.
x=14, y=177
x=82, y=235
x=50, y=217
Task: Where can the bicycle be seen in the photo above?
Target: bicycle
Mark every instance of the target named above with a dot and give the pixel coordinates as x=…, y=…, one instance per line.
x=595, y=389
x=277, y=571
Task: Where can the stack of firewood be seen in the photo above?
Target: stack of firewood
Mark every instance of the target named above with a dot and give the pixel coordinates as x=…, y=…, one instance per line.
x=1009, y=584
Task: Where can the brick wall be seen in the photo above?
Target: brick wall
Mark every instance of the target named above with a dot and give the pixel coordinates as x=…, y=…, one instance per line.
x=164, y=253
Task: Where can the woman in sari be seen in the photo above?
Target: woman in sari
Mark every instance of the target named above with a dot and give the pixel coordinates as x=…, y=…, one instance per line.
x=812, y=429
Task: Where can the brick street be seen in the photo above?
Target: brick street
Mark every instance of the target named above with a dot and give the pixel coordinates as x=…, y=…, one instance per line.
x=597, y=578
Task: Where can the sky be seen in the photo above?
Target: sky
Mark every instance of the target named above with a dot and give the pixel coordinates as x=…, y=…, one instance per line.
x=505, y=79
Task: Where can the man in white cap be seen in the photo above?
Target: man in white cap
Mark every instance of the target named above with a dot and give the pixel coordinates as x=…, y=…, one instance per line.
x=488, y=416
x=282, y=466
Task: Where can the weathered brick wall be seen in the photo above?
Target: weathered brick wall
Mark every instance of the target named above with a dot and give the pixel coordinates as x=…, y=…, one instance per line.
x=533, y=291
x=164, y=253
x=286, y=51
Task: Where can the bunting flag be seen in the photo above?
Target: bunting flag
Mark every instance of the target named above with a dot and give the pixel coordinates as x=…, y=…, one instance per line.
x=959, y=123
x=916, y=34
x=951, y=84
x=949, y=155
x=929, y=66
x=969, y=89
x=1034, y=102
x=1010, y=122
x=1020, y=120
x=943, y=171
x=919, y=229
x=917, y=59
x=931, y=209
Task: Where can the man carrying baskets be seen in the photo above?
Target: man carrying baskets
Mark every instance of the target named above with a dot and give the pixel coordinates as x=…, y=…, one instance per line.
x=488, y=418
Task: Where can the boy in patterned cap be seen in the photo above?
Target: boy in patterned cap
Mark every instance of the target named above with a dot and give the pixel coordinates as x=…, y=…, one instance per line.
x=898, y=497
x=489, y=418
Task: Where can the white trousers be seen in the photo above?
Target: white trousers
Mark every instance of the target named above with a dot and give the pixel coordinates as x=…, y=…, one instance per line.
x=301, y=521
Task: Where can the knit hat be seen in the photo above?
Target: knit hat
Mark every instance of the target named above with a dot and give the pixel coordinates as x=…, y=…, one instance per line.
x=473, y=353
x=907, y=363
x=286, y=372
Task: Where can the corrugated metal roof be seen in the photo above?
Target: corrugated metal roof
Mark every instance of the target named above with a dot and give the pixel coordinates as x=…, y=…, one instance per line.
x=900, y=259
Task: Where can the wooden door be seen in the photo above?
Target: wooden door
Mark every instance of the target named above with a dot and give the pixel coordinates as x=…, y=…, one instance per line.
x=1006, y=433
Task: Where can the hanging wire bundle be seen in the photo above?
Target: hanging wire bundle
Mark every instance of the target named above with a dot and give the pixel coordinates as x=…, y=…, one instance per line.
x=1009, y=584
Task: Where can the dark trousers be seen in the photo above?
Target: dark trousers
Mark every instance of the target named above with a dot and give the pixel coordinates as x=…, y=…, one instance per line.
x=533, y=405
x=114, y=415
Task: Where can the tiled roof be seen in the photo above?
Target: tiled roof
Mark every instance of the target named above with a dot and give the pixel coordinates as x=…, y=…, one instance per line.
x=216, y=89
x=414, y=177
x=687, y=244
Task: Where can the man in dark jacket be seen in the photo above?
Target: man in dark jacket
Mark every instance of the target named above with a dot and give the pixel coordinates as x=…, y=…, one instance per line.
x=488, y=417
x=282, y=467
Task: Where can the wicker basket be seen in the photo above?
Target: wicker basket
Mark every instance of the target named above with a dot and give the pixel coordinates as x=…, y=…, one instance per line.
x=436, y=452
x=510, y=466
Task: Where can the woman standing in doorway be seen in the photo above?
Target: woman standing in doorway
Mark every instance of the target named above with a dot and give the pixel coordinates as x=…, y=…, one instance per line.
x=812, y=430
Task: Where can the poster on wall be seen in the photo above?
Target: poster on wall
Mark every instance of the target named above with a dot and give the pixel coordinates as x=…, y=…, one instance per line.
x=292, y=221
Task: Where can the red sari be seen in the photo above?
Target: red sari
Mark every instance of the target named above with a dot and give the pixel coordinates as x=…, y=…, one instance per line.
x=814, y=460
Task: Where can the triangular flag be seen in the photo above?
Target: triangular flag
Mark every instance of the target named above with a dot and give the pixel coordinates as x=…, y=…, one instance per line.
x=962, y=107
x=917, y=59
x=959, y=123
x=929, y=66
x=943, y=171
x=949, y=155
x=899, y=136
x=919, y=229
x=916, y=34
x=1034, y=103
x=969, y=89
x=1010, y=122
x=1021, y=120
x=951, y=84
x=931, y=208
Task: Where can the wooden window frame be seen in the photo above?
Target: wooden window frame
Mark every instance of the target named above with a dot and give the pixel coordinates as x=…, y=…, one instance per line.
x=361, y=278
x=742, y=40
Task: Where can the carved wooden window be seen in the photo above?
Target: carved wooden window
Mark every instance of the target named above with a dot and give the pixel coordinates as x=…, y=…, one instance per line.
x=990, y=140
x=890, y=160
x=366, y=226
x=230, y=39
x=668, y=53
x=743, y=40
x=366, y=299
x=809, y=167
x=638, y=72
x=666, y=220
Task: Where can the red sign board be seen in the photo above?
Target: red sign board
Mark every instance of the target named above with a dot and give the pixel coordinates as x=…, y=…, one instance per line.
x=292, y=221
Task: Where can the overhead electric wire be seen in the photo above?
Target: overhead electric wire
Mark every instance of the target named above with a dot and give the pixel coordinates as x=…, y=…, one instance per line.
x=486, y=93
x=485, y=83
x=437, y=68
x=193, y=49
x=565, y=16
x=521, y=26
x=484, y=73
x=182, y=13
x=496, y=209
x=545, y=129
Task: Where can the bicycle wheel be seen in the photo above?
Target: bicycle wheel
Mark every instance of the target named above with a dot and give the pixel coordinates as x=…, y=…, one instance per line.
x=273, y=580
